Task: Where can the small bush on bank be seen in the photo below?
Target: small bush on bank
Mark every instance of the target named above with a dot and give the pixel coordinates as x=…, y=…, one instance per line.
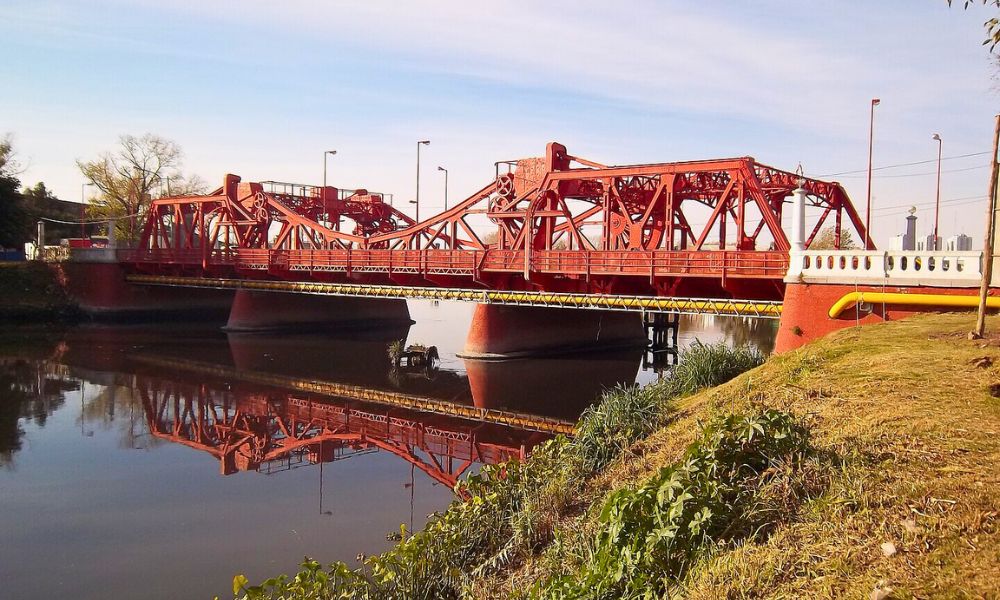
x=623, y=416
x=708, y=365
x=649, y=536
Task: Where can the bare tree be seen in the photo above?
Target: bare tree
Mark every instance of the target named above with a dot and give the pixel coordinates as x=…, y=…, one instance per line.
x=129, y=178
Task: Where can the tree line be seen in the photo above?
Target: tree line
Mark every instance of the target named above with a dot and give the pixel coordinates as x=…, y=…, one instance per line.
x=122, y=184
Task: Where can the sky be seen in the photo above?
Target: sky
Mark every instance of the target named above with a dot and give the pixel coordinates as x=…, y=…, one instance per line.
x=263, y=88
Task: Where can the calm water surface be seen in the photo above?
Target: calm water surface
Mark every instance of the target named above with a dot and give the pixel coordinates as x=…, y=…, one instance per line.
x=157, y=461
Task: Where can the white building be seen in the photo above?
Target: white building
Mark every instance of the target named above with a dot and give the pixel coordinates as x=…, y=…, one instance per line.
x=958, y=243
x=926, y=243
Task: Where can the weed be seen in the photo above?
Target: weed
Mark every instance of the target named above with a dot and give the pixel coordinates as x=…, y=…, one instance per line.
x=649, y=536
x=708, y=365
x=623, y=416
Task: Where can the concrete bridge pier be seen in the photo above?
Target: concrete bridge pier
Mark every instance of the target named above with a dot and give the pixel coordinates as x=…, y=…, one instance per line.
x=502, y=332
x=254, y=311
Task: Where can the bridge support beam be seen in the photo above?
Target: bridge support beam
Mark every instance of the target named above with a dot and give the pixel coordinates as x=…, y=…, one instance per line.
x=254, y=311
x=502, y=332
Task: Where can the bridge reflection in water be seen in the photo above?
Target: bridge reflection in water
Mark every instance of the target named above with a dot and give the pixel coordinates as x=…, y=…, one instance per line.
x=267, y=403
x=249, y=431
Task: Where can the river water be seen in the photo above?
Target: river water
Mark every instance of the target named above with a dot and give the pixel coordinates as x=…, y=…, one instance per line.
x=157, y=461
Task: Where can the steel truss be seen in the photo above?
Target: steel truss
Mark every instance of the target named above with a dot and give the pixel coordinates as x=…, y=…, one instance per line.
x=560, y=224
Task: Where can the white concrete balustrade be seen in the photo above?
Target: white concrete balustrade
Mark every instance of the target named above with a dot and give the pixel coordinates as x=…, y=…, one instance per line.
x=907, y=268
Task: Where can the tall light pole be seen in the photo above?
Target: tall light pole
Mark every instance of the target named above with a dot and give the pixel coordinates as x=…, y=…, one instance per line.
x=417, y=201
x=326, y=210
x=445, y=186
x=937, y=199
x=83, y=209
x=871, y=140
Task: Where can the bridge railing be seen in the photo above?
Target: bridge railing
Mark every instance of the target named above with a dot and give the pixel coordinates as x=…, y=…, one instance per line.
x=942, y=268
x=644, y=263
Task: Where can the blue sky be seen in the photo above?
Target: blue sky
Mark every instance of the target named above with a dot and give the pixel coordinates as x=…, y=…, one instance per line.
x=261, y=88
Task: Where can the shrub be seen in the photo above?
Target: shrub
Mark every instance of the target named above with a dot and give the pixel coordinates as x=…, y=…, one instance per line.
x=707, y=365
x=623, y=416
x=648, y=536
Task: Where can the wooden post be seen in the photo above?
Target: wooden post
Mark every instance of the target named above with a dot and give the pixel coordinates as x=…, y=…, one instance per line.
x=984, y=287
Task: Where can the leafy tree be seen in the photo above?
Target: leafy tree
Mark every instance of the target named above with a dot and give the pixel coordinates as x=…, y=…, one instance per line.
x=128, y=179
x=826, y=239
x=40, y=203
x=12, y=216
x=39, y=192
x=992, y=25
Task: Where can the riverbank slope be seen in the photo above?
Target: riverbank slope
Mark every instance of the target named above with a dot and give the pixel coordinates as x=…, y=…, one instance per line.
x=904, y=497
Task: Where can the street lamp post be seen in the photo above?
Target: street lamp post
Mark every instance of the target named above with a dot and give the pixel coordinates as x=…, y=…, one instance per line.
x=445, y=186
x=326, y=209
x=83, y=209
x=417, y=201
x=871, y=139
x=937, y=199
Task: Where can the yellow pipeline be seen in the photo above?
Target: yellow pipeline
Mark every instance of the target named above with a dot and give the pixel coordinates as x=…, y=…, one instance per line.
x=943, y=300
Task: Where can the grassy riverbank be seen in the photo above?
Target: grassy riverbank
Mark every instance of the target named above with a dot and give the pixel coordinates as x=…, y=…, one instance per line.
x=864, y=465
x=29, y=291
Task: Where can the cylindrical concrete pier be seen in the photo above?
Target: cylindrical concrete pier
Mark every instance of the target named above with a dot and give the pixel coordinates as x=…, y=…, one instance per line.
x=501, y=332
x=273, y=311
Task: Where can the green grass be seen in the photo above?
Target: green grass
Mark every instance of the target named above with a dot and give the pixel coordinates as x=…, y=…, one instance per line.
x=649, y=536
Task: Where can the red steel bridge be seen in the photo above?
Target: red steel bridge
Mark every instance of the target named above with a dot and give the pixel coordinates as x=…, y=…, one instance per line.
x=555, y=230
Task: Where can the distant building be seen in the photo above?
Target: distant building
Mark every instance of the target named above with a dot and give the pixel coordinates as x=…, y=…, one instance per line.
x=926, y=243
x=958, y=243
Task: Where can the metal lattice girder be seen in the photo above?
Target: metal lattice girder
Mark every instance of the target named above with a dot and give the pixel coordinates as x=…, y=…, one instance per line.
x=691, y=306
x=591, y=215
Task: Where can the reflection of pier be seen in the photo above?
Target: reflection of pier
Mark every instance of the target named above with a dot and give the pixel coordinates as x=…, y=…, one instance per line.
x=251, y=431
x=333, y=389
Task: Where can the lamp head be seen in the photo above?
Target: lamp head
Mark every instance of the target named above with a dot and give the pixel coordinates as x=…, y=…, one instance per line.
x=442, y=169
x=425, y=142
x=331, y=151
x=936, y=136
x=876, y=101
